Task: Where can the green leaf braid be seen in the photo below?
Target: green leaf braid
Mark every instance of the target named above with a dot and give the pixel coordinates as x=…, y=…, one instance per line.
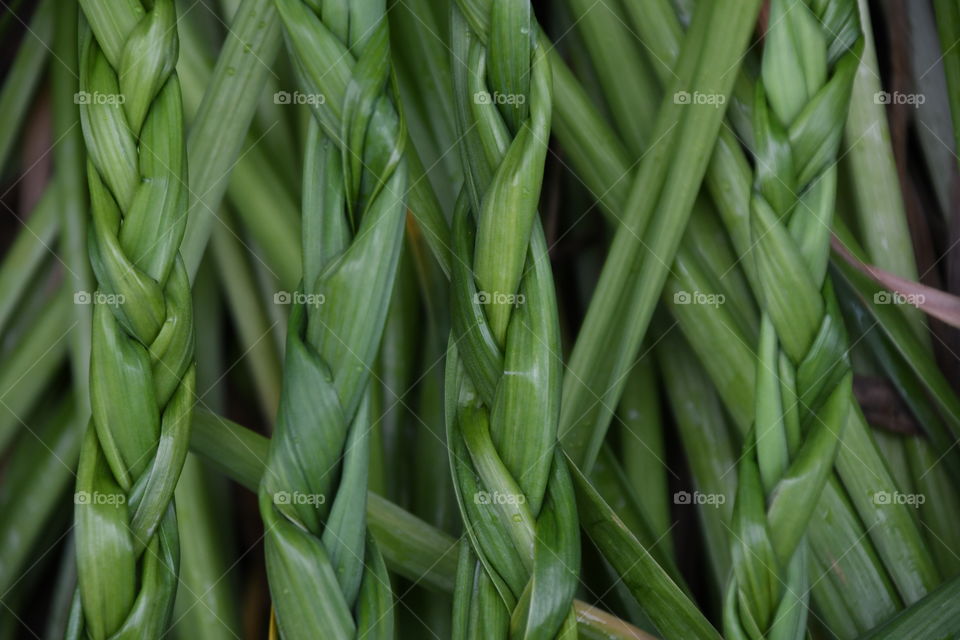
x=503, y=363
x=803, y=379
x=324, y=569
x=142, y=370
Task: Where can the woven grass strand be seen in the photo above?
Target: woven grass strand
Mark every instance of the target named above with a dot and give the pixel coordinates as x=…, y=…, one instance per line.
x=503, y=369
x=803, y=377
x=142, y=370
x=327, y=577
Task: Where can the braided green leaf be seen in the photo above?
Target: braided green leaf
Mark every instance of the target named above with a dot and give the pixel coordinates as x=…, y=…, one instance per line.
x=142, y=363
x=803, y=379
x=326, y=574
x=503, y=366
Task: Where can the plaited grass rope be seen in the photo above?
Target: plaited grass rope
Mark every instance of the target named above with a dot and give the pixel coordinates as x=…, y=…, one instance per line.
x=803, y=379
x=142, y=371
x=519, y=571
x=324, y=569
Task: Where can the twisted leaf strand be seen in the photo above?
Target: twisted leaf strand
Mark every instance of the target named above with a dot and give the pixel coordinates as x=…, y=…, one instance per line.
x=503, y=367
x=803, y=381
x=324, y=569
x=142, y=370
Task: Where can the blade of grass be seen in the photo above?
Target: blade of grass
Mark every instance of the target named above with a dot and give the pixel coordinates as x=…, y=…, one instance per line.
x=30, y=249
x=23, y=76
x=634, y=114
x=35, y=484
x=63, y=592
x=31, y=363
x=421, y=55
x=255, y=188
x=707, y=443
x=670, y=610
x=876, y=187
x=72, y=193
x=937, y=134
x=609, y=480
x=642, y=448
x=948, y=26
x=935, y=617
x=895, y=325
x=246, y=311
x=219, y=128
x=205, y=605
x=676, y=163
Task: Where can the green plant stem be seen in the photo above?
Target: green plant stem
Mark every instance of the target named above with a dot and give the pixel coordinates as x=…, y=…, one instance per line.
x=668, y=607
x=609, y=480
x=206, y=605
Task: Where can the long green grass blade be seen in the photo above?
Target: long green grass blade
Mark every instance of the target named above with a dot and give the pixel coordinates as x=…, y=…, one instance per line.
x=24, y=74
x=673, y=169
x=670, y=610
